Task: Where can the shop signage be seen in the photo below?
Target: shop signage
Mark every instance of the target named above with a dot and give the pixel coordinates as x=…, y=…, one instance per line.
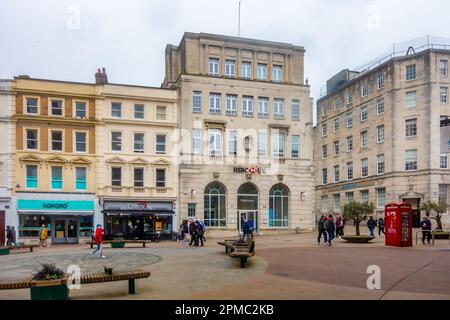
x=52, y=205
x=251, y=170
x=138, y=206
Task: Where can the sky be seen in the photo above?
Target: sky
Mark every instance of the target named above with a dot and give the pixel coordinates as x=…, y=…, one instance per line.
x=70, y=39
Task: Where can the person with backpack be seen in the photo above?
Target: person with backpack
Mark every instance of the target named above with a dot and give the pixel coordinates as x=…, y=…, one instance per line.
x=203, y=228
x=43, y=234
x=330, y=227
x=371, y=224
x=199, y=231
x=381, y=227
x=193, y=233
x=321, y=229
x=98, y=239
x=426, y=230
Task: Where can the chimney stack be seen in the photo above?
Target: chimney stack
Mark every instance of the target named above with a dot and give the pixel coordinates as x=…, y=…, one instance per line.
x=101, y=77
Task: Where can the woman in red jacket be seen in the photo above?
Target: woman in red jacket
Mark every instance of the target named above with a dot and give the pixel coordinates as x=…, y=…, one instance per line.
x=98, y=239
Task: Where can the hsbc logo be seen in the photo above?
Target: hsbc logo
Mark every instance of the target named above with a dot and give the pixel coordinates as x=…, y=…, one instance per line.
x=252, y=170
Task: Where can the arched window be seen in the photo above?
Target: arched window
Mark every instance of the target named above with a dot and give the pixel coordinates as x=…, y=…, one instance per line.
x=279, y=207
x=215, y=205
x=248, y=197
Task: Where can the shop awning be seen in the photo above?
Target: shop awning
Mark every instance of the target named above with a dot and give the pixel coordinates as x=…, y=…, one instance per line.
x=139, y=213
x=52, y=213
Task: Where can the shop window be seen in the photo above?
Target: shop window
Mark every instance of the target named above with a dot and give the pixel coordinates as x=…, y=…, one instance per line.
x=215, y=205
x=86, y=226
x=29, y=225
x=279, y=207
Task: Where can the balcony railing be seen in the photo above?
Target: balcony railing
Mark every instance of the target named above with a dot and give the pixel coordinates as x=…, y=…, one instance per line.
x=131, y=191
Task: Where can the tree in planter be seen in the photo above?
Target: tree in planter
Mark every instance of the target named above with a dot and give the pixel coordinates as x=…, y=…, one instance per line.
x=435, y=211
x=358, y=212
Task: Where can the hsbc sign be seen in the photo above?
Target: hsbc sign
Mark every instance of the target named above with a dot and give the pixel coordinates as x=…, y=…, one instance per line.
x=251, y=170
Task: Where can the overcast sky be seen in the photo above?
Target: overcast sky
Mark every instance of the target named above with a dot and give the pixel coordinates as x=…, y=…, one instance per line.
x=70, y=39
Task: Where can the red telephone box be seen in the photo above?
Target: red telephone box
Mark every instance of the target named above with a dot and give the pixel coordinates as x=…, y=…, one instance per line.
x=398, y=225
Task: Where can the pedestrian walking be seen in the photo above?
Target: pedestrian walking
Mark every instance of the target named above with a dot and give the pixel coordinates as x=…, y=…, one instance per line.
x=321, y=230
x=43, y=234
x=245, y=229
x=14, y=239
x=98, y=239
x=9, y=236
x=339, y=227
x=193, y=233
x=371, y=224
x=330, y=227
x=426, y=230
x=199, y=231
x=381, y=227
x=251, y=227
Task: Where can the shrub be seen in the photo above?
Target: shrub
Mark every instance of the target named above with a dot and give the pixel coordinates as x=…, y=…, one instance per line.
x=49, y=272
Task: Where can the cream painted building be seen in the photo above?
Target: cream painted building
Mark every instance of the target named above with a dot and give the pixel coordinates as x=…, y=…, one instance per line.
x=137, y=173
x=246, y=133
x=381, y=134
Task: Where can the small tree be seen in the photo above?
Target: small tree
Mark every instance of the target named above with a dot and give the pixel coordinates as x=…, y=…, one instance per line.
x=358, y=212
x=435, y=211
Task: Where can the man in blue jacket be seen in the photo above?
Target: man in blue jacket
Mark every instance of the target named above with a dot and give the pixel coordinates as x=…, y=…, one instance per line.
x=426, y=230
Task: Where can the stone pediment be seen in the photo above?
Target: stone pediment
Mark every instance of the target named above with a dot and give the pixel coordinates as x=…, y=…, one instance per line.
x=161, y=162
x=139, y=162
x=80, y=161
x=31, y=158
x=56, y=159
x=117, y=160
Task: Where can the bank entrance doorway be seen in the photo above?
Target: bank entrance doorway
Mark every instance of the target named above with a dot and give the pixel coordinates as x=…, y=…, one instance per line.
x=65, y=230
x=247, y=205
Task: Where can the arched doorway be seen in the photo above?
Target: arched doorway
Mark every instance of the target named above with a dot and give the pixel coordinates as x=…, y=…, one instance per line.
x=279, y=206
x=247, y=204
x=215, y=197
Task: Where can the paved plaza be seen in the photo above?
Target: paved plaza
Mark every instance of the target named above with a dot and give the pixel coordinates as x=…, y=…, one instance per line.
x=285, y=267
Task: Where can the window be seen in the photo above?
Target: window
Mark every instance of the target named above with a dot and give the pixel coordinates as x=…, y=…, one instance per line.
x=278, y=108
x=215, y=205
x=262, y=143
x=411, y=72
x=295, y=110
x=214, y=103
x=349, y=120
x=380, y=107
x=349, y=96
x=411, y=99
x=443, y=67
x=192, y=209
x=336, y=125
x=246, y=70
x=139, y=142
x=230, y=68
x=139, y=111
x=279, y=207
x=116, y=110
x=350, y=197
x=336, y=148
x=197, y=101
x=161, y=113
x=277, y=73
x=364, y=196
x=160, y=178
x=325, y=152
x=380, y=164
x=349, y=170
x=231, y=105
x=138, y=177
x=197, y=142
x=380, y=134
x=247, y=106
x=380, y=81
x=325, y=204
x=295, y=146
x=57, y=182
x=323, y=107
x=232, y=143
x=214, y=67
x=324, y=176
x=32, y=105
x=262, y=71
x=57, y=140
x=364, y=90
x=364, y=168
x=381, y=197
x=116, y=177
x=278, y=139
x=364, y=113
x=444, y=161
x=80, y=142
x=57, y=107
x=80, y=110
x=32, y=178
x=160, y=144
x=336, y=174
x=32, y=139
x=443, y=193
x=444, y=94
x=324, y=130
x=411, y=160
x=263, y=107
x=350, y=144
x=215, y=142
x=116, y=141
x=364, y=140
x=411, y=128
x=80, y=179
x=337, y=202
x=337, y=103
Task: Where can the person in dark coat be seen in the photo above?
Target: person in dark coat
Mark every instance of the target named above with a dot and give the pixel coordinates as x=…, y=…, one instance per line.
x=331, y=229
x=371, y=224
x=199, y=231
x=426, y=230
x=246, y=229
x=193, y=233
x=321, y=229
x=381, y=227
x=13, y=231
x=339, y=227
x=9, y=236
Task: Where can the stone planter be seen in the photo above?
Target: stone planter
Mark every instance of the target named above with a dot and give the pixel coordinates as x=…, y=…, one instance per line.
x=49, y=290
x=358, y=239
x=441, y=235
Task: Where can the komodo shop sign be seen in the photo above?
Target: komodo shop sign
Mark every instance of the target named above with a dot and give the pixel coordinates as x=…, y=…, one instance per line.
x=50, y=205
x=251, y=170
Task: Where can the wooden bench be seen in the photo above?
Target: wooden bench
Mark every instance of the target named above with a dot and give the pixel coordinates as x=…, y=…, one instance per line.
x=21, y=247
x=228, y=244
x=243, y=250
x=91, y=278
x=124, y=242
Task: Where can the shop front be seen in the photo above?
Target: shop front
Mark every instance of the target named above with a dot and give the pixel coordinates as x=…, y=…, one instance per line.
x=138, y=220
x=66, y=221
